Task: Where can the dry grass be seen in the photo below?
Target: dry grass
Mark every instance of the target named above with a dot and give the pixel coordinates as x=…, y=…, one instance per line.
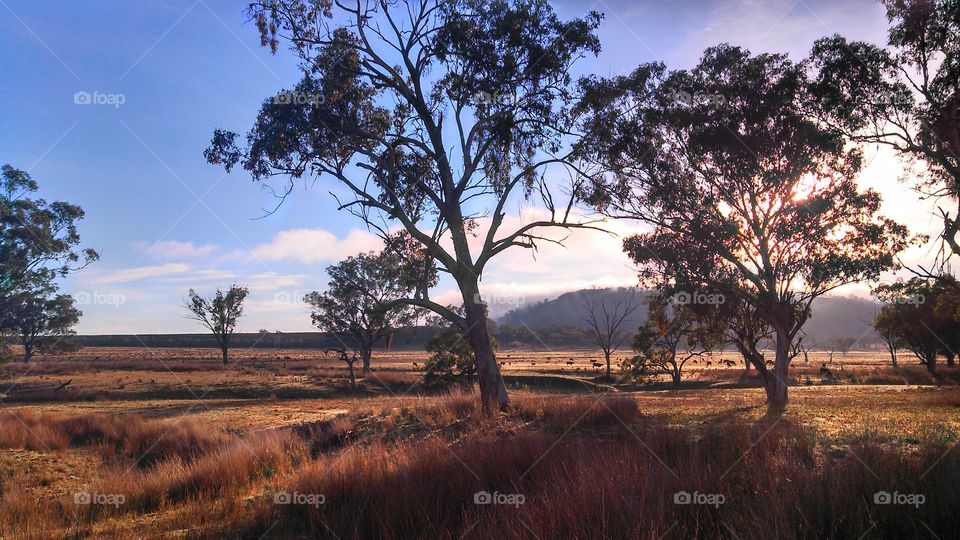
x=392, y=463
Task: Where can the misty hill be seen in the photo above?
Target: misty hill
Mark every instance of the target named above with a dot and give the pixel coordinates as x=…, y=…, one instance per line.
x=832, y=317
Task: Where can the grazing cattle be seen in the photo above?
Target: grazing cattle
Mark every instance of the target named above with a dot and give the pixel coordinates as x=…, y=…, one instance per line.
x=570, y=362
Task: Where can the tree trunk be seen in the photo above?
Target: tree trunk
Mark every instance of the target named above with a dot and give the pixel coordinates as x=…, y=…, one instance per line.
x=353, y=377
x=932, y=363
x=224, y=351
x=777, y=380
x=493, y=393
x=676, y=377
x=365, y=357
x=893, y=355
x=606, y=354
x=950, y=356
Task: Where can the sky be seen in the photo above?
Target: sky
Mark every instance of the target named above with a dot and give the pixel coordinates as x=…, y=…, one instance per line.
x=109, y=105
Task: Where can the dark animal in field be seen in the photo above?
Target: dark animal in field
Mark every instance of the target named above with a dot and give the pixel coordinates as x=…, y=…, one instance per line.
x=570, y=362
x=825, y=373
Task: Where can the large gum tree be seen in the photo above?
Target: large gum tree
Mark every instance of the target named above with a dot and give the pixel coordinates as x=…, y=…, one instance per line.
x=434, y=115
x=744, y=194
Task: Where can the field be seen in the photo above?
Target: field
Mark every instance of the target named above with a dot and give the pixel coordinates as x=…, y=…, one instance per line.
x=169, y=443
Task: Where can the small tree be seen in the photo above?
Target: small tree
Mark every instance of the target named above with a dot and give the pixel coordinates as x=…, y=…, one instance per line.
x=42, y=321
x=607, y=313
x=218, y=314
x=910, y=313
x=349, y=358
x=363, y=298
x=844, y=344
x=669, y=327
x=884, y=323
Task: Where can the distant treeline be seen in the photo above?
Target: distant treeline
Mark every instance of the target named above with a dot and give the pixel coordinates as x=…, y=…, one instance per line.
x=406, y=338
x=412, y=338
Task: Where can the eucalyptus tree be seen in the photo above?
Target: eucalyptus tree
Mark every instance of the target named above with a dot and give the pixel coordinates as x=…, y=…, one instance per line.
x=904, y=96
x=38, y=239
x=437, y=116
x=745, y=194
x=672, y=335
x=41, y=319
x=361, y=302
x=218, y=314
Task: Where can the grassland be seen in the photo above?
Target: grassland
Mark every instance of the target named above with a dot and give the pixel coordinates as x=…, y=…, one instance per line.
x=171, y=444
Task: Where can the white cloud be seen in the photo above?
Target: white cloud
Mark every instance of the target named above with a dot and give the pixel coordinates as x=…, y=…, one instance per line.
x=176, y=250
x=315, y=246
x=142, y=272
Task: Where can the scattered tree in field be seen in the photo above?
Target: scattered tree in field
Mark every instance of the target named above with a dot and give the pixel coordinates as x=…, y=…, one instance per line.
x=673, y=335
x=883, y=325
x=917, y=316
x=607, y=316
x=747, y=195
x=363, y=300
x=844, y=344
x=42, y=321
x=905, y=97
x=38, y=243
x=218, y=314
x=348, y=357
x=437, y=115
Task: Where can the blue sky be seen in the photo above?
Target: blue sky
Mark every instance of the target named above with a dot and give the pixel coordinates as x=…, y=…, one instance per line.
x=166, y=221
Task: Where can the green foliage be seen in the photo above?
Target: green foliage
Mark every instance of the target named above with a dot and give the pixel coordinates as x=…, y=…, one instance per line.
x=38, y=243
x=365, y=297
x=672, y=336
x=38, y=239
x=921, y=315
x=451, y=358
x=218, y=314
x=42, y=320
x=905, y=96
x=746, y=193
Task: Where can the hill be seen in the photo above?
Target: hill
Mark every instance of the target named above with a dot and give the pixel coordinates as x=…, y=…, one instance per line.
x=833, y=316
